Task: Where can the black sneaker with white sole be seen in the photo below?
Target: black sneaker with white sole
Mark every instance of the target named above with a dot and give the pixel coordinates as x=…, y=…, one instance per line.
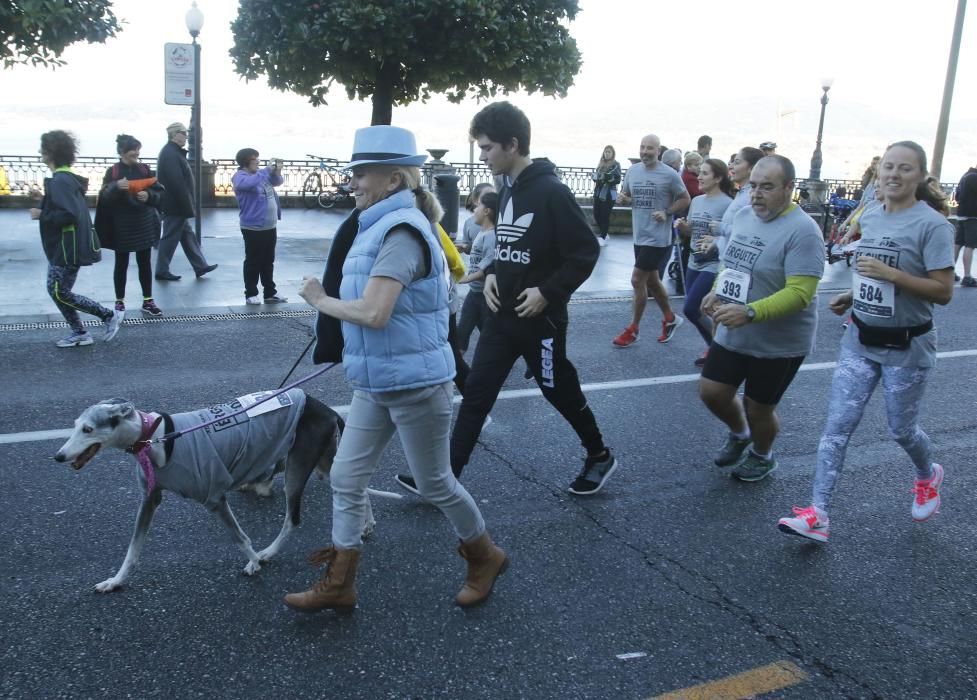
x=407, y=483
x=595, y=473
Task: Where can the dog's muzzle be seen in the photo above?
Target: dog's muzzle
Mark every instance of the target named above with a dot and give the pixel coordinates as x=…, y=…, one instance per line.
x=82, y=459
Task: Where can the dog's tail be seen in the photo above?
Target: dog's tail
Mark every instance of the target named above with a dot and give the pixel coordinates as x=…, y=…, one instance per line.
x=384, y=494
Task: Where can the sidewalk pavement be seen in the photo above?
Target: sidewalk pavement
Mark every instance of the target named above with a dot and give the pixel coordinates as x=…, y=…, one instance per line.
x=304, y=237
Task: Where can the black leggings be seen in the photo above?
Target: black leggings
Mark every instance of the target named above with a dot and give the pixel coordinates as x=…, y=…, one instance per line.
x=542, y=342
x=602, y=215
x=144, y=259
x=461, y=367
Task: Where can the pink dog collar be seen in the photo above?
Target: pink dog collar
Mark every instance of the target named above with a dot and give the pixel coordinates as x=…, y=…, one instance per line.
x=140, y=448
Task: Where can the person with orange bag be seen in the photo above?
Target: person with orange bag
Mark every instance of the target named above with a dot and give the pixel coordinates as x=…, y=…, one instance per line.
x=128, y=206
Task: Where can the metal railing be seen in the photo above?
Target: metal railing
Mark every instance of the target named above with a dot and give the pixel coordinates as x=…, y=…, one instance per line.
x=22, y=173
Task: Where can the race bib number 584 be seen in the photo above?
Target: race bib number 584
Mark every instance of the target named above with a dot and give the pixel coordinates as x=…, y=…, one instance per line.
x=873, y=297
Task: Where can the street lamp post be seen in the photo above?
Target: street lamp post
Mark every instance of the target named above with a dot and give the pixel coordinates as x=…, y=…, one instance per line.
x=816, y=158
x=195, y=21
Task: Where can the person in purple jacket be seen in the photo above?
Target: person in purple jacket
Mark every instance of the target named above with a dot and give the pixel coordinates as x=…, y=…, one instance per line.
x=260, y=211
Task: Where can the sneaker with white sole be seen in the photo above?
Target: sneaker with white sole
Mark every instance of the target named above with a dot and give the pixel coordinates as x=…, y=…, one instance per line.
x=810, y=522
x=595, y=473
x=627, y=338
x=75, y=340
x=112, y=325
x=253, y=301
x=732, y=451
x=149, y=307
x=669, y=328
x=407, y=483
x=926, y=495
x=275, y=299
x=754, y=467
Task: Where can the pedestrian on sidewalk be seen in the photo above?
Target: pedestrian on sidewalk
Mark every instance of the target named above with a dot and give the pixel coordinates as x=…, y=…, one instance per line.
x=544, y=251
x=966, y=234
x=175, y=176
x=259, y=211
x=129, y=202
x=386, y=288
x=69, y=239
x=606, y=178
x=903, y=266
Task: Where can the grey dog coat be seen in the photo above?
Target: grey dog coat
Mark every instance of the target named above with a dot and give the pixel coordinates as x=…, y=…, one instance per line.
x=207, y=463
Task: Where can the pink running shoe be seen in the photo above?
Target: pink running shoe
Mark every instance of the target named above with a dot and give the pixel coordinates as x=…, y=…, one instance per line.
x=810, y=522
x=926, y=495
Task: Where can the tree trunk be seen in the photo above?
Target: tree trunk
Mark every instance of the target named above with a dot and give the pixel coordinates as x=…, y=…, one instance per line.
x=383, y=96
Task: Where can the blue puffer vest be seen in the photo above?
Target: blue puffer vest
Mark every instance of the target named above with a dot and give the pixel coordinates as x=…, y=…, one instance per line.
x=412, y=351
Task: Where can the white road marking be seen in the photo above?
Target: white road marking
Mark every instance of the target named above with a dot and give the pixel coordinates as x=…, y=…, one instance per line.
x=42, y=435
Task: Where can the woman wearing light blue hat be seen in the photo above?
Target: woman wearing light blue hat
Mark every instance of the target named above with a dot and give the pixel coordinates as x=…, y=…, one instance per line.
x=383, y=305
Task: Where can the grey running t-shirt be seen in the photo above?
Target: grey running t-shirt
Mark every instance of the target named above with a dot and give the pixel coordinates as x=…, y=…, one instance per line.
x=209, y=462
x=742, y=199
x=482, y=255
x=703, y=212
x=917, y=241
x=651, y=190
x=401, y=257
x=770, y=252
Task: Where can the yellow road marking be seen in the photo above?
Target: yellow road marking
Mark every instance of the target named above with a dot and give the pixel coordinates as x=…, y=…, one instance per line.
x=748, y=684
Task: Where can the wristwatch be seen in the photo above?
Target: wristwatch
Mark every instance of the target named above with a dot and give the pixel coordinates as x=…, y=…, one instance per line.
x=750, y=313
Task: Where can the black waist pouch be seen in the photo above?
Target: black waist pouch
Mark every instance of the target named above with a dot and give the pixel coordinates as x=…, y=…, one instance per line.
x=893, y=338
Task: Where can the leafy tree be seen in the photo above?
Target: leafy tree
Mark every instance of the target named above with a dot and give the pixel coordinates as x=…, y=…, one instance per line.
x=38, y=31
x=397, y=52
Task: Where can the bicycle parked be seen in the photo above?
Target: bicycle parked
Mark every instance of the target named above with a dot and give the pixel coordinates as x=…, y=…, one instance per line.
x=327, y=185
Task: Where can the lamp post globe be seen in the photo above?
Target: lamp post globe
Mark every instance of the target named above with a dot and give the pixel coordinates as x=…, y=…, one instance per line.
x=195, y=21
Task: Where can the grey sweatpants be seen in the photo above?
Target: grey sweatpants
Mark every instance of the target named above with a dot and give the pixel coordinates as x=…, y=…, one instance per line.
x=422, y=419
x=177, y=231
x=854, y=382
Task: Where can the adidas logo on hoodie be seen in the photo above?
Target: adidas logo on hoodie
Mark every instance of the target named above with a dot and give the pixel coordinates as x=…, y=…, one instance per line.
x=508, y=232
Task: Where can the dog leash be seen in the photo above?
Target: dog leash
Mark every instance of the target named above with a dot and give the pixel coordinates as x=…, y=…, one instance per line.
x=178, y=433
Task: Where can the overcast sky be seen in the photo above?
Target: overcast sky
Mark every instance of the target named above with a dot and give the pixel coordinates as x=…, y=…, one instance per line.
x=742, y=72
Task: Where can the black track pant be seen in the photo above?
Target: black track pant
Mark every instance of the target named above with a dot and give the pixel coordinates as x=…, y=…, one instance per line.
x=541, y=341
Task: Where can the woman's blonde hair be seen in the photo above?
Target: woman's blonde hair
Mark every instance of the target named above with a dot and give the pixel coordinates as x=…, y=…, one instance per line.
x=423, y=199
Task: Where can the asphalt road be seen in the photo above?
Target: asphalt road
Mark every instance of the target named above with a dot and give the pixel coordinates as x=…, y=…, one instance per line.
x=674, y=561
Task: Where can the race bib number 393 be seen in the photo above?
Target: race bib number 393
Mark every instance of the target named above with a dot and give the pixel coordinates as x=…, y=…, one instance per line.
x=733, y=286
x=873, y=297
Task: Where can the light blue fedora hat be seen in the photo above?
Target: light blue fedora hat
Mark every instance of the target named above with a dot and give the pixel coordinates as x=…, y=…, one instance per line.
x=385, y=145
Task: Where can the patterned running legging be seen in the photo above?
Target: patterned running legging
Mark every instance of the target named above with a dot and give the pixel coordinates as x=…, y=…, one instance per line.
x=854, y=382
x=60, y=280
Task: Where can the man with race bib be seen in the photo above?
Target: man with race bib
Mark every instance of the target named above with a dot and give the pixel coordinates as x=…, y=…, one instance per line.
x=765, y=320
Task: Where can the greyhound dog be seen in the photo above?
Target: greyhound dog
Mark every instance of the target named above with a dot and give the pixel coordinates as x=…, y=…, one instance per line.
x=292, y=432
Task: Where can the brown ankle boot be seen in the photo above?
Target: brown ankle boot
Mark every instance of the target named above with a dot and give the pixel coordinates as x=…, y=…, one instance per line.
x=485, y=563
x=336, y=588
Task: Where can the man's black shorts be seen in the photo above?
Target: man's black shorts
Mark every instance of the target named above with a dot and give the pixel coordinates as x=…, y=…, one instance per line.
x=767, y=378
x=647, y=258
x=966, y=233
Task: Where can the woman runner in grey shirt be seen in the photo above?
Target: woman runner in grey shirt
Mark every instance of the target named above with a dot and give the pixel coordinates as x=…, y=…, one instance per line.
x=903, y=265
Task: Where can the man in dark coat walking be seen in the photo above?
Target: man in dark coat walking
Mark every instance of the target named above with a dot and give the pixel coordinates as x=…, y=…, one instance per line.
x=173, y=173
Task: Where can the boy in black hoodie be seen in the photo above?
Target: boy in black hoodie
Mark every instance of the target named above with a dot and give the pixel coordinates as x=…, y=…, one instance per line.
x=544, y=251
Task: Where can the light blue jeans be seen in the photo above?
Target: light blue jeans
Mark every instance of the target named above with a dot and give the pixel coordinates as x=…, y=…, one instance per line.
x=854, y=382
x=422, y=419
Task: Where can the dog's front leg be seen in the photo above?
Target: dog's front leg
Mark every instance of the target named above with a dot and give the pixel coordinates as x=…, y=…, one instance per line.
x=143, y=519
x=240, y=538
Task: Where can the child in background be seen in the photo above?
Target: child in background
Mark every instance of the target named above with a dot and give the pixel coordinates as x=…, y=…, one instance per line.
x=482, y=254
